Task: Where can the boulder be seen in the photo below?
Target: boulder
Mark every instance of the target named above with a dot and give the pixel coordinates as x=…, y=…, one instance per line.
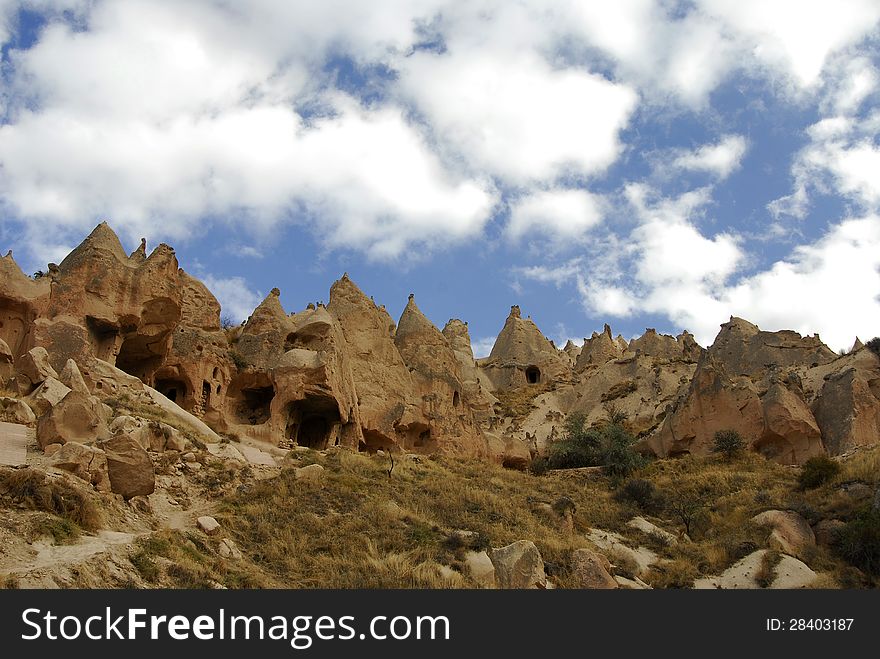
x=159, y=437
x=129, y=466
x=648, y=528
x=13, y=410
x=591, y=570
x=481, y=568
x=310, y=473
x=228, y=549
x=519, y=565
x=47, y=395
x=33, y=368
x=208, y=524
x=790, y=532
x=790, y=573
x=87, y=462
x=826, y=531
x=72, y=378
x=7, y=368
x=76, y=418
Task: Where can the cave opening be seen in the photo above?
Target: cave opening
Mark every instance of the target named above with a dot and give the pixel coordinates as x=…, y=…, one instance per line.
x=136, y=357
x=173, y=389
x=253, y=405
x=533, y=375
x=456, y=399
x=312, y=421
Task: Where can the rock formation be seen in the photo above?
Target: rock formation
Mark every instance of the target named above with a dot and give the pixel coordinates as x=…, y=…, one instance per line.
x=104, y=327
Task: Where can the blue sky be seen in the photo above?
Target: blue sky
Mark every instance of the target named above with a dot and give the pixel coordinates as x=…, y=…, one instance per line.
x=642, y=163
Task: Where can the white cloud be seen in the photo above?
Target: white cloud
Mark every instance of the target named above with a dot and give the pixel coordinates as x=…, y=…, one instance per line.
x=831, y=287
x=795, y=36
x=237, y=299
x=720, y=159
x=482, y=347
x=552, y=275
x=516, y=117
x=562, y=215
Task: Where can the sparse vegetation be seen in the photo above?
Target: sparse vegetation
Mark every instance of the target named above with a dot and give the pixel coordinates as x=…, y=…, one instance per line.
x=239, y=361
x=728, y=443
x=766, y=573
x=608, y=445
x=874, y=345
x=643, y=493
x=817, y=471
x=34, y=490
x=859, y=541
x=227, y=322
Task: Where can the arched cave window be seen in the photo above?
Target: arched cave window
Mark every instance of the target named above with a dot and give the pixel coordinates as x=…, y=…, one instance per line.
x=456, y=399
x=533, y=375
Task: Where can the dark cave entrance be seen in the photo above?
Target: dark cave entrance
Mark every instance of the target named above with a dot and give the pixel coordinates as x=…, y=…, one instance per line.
x=136, y=357
x=456, y=399
x=253, y=405
x=173, y=390
x=533, y=375
x=312, y=421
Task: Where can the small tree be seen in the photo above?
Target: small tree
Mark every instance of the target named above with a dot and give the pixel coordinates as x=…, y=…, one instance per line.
x=817, y=471
x=729, y=443
x=688, y=505
x=874, y=345
x=226, y=322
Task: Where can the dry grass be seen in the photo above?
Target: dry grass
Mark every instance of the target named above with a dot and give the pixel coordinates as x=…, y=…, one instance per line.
x=361, y=529
x=518, y=403
x=34, y=490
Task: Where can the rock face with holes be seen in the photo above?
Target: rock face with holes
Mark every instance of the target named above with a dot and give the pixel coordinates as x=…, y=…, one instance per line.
x=753, y=382
x=438, y=381
x=105, y=325
x=522, y=355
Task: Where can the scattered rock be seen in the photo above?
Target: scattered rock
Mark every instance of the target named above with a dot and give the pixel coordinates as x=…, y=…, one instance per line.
x=130, y=467
x=826, y=531
x=46, y=396
x=591, y=570
x=481, y=568
x=311, y=473
x=141, y=504
x=612, y=544
x=791, y=534
x=13, y=410
x=33, y=368
x=87, y=462
x=208, y=524
x=51, y=449
x=77, y=417
x=648, y=528
x=72, y=378
x=790, y=573
x=227, y=548
x=518, y=565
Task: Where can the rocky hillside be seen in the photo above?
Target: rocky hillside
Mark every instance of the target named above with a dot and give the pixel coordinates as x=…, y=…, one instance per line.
x=145, y=444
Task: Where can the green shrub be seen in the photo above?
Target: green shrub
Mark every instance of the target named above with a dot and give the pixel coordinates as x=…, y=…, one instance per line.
x=609, y=446
x=728, y=442
x=817, y=471
x=859, y=541
x=643, y=493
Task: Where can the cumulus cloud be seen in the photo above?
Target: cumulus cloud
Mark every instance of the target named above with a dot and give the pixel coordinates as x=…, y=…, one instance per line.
x=483, y=346
x=237, y=299
x=562, y=215
x=831, y=286
x=720, y=159
x=529, y=123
